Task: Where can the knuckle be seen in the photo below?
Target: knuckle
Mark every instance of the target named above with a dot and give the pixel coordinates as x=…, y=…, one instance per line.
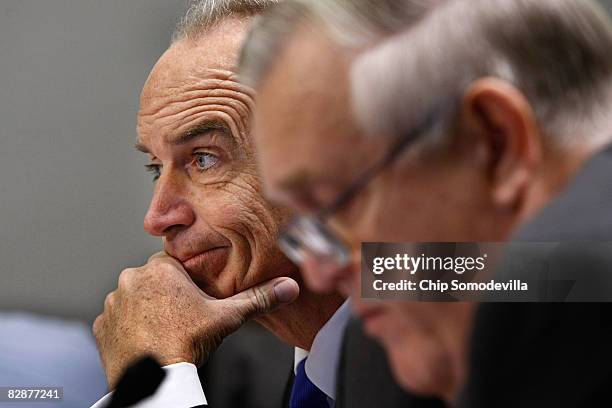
x=97, y=326
x=109, y=301
x=261, y=302
x=157, y=256
x=126, y=276
x=154, y=261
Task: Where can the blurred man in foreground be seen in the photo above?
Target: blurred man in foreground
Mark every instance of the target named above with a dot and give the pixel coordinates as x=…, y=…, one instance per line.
x=448, y=132
x=219, y=233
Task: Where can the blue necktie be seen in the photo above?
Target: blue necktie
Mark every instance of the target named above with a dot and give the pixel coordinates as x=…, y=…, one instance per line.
x=304, y=393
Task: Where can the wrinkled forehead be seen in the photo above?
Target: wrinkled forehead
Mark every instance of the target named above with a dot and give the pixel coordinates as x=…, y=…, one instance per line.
x=196, y=77
x=212, y=55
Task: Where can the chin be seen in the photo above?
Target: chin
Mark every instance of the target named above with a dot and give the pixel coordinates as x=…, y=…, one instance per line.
x=220, y=288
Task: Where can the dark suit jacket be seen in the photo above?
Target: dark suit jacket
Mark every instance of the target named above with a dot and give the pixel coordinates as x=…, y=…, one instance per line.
x=288, y=388
x=554, y=354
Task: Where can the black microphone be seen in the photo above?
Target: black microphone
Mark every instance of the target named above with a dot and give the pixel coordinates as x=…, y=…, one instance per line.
x=138, y=382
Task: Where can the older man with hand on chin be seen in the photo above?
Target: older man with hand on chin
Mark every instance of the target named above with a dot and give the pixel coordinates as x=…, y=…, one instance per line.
x=221, y=264
x=449, y=132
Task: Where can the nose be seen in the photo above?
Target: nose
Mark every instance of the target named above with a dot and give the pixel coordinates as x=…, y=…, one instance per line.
x=168, y=212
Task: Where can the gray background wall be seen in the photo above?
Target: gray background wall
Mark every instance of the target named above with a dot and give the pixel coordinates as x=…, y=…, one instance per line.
x=73, y=192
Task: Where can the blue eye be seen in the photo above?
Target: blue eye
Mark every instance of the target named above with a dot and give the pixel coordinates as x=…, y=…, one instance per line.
x=155, y=170
x=205, y=161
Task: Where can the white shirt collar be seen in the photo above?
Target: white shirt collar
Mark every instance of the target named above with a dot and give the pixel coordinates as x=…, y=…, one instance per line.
x=324, y=354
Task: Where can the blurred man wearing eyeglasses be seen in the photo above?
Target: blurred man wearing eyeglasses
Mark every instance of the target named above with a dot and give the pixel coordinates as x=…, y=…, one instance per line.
x=448, y=132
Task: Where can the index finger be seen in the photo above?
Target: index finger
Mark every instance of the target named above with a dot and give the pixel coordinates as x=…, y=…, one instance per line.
x=159, y=255
x=163, y=256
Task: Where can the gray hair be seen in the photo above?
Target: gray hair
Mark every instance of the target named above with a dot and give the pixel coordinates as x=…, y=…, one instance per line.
x=202, y=15
x=352, y=23
x=359, y=23
x=557, y=52
x=266, y=39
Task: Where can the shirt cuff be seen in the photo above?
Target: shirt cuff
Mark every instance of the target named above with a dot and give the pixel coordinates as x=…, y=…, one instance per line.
x=181, y=389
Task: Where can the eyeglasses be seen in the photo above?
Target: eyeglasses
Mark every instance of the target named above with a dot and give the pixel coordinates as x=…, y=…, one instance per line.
x=310, y=236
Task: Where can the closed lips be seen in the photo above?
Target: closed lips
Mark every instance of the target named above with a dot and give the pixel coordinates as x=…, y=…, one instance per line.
x=206, y=265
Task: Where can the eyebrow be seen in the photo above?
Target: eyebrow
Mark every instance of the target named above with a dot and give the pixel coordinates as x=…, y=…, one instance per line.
x=194, y=132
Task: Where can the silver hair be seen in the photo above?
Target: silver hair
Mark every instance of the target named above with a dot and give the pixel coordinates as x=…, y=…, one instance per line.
x=352, y=23
x=201, y=15
x=266, y=39
x=557, y=52
x=359, y=23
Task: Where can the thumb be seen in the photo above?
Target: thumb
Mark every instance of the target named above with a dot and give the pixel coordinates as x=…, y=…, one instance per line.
x=265, y=297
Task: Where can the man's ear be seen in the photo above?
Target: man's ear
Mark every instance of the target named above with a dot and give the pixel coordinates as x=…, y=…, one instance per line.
x=502, y=124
